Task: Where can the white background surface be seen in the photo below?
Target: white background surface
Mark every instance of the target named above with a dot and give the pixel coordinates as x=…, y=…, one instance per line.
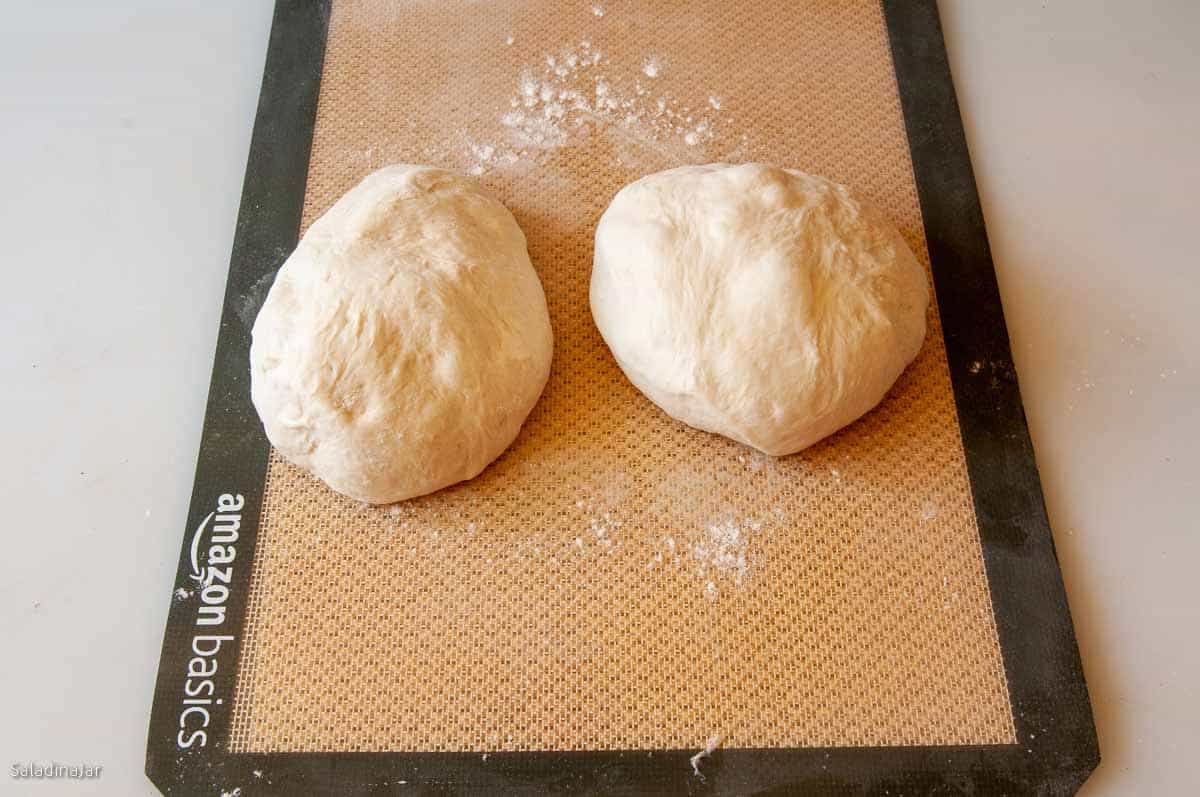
x=124, y=129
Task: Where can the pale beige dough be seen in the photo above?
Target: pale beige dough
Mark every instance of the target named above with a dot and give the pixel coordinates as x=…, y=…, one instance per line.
x=764, y=304
x=405, y=340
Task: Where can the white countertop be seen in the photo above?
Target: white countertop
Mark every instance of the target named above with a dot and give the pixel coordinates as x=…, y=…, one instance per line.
x=124, y=129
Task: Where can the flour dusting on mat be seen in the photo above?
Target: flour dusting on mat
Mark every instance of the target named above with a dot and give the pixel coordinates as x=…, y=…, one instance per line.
x=708, y=750
x=571, y=96
x=723, y=548
x=601, y=524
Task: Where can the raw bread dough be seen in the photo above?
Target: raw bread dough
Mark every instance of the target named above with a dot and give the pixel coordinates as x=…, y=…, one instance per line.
x=405, y=340
x=760, y=303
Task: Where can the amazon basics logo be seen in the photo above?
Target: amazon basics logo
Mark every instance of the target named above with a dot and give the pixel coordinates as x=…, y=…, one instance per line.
x=211, y=555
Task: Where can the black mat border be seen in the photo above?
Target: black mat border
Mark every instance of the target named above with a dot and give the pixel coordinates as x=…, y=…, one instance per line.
x=1057, y=746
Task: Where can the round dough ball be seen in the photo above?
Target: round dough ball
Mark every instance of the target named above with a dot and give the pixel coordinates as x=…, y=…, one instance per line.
x=760, y=303
x=405, y=340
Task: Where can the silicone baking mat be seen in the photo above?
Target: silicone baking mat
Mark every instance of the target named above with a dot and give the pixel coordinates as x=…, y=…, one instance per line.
x=618, y=584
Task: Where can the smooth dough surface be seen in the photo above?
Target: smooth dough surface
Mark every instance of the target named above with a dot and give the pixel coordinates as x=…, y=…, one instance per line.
x=760, y=303
x=405, y=340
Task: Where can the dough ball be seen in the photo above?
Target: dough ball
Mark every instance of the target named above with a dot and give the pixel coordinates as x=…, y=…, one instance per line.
x=405, y=340
x=760, y=303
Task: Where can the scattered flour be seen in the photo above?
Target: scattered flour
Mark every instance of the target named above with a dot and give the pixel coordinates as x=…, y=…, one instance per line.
x=756, y=461
x=723, y=549
x=598, y=9
x=708, y=750
x=720, y=554
x=483, y=154
x=951, y=598
x=669, y=554
x=569, y=97
x=602, y=525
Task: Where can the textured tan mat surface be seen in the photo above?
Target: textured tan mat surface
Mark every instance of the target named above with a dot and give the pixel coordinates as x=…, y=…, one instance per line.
x=617, y=580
